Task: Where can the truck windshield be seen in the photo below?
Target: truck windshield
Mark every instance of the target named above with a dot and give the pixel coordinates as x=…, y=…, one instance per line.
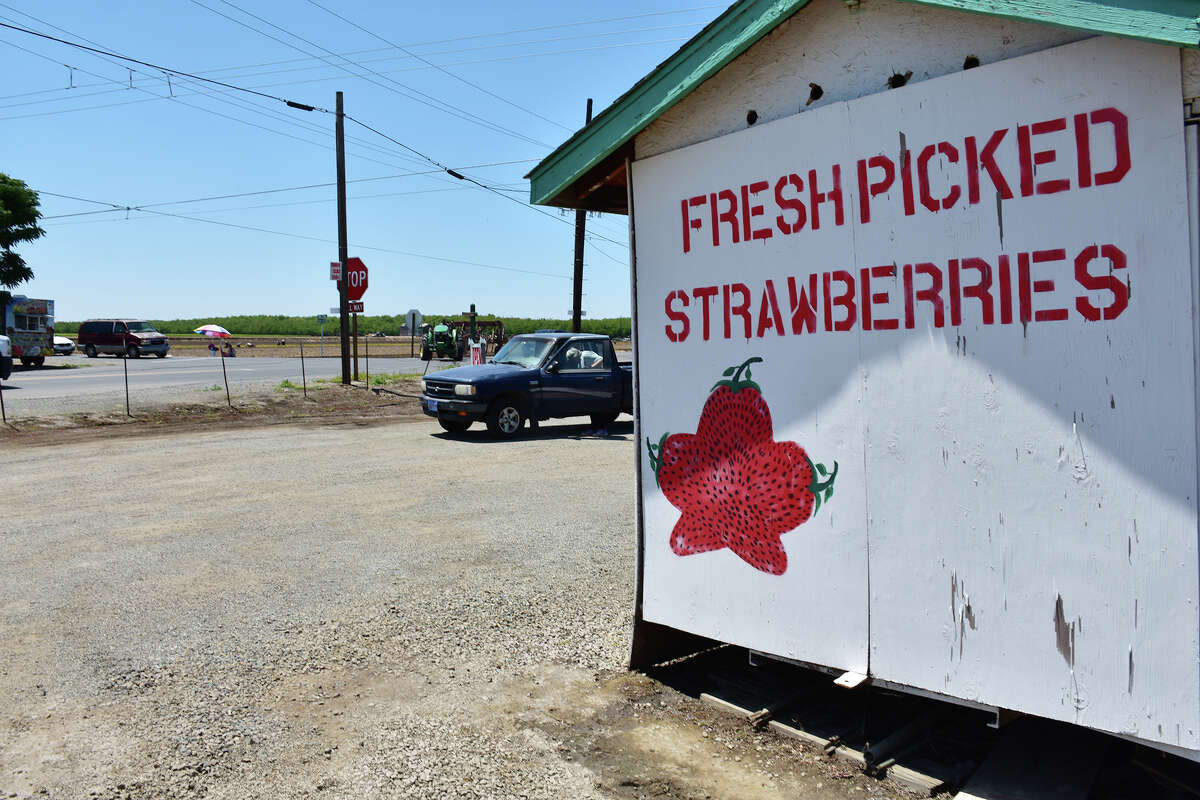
x=141, y=327
x=524, y=351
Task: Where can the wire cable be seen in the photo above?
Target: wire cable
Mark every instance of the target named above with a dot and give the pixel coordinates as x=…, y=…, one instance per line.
x=165, y=70
x=443, y=70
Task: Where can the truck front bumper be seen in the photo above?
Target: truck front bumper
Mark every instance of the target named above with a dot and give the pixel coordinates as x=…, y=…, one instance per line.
x=453, y=409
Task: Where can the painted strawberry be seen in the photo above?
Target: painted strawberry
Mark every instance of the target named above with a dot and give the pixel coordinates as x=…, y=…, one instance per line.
x=735, y=486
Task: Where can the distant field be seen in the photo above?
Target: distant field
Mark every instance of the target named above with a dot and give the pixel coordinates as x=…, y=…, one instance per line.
x=279, y=326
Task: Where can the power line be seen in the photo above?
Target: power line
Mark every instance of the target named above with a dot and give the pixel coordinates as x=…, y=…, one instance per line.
x=443, y=70
x=164, y=70
x=118, y=206
x=407, y=92
x=467, y=178
x=260, y=192
x=504, y=33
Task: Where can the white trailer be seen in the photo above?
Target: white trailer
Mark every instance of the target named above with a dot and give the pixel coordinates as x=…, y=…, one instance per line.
x=917, y=367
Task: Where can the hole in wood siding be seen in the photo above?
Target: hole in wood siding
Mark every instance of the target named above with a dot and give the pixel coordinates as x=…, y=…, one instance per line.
x=897, y=80
x=815, y=93
x=971, y=62
x=751, y=117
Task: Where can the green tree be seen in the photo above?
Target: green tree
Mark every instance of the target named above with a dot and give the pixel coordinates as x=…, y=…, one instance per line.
x=19, y=215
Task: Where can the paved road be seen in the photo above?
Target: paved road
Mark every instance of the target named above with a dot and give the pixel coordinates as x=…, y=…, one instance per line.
x=77, y=383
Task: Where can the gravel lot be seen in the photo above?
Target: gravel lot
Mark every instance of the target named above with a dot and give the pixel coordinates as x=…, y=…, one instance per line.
x=346, y=611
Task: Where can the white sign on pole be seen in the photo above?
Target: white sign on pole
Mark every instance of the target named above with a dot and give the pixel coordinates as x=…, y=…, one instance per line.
x=413, y=319
x=940, y=288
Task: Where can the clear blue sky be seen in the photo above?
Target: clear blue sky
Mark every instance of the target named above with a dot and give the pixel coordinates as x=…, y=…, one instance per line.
x=513, y=85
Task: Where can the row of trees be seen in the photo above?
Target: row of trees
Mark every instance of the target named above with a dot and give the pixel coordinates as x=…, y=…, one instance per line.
x=280, y=325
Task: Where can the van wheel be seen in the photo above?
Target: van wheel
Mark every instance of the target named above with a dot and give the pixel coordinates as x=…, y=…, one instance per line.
x=39, y=361
x=90, y=351
x=26, y=362
x=505, y=418
x=161, y=355
x=133, y=352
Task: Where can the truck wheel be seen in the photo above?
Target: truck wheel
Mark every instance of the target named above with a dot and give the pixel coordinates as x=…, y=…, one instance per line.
x=163, y=354
x=454, y=425
x=603, y=420
x=425, y=354
x=133, y=352
x=26, y=362
x=505, y=418
x=90, y=351
x=39, y=361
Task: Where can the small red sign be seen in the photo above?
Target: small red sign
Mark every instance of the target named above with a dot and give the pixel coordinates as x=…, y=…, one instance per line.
x=335, y=270
x=355, y=307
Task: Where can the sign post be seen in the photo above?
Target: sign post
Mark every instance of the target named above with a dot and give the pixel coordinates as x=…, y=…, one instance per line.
x=355, y=280
x=321, y=321
x=413, y=320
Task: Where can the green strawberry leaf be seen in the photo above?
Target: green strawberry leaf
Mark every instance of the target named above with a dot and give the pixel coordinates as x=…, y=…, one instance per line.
x=828, y=493
x=821, y=469
x=729, y=371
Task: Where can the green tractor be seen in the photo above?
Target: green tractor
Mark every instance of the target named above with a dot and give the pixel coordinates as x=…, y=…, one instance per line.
x=445, y=340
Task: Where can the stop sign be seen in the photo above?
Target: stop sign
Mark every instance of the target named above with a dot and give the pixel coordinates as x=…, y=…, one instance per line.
x=356, y=278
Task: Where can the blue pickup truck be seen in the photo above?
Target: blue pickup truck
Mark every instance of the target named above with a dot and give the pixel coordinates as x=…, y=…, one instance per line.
x=535, y=376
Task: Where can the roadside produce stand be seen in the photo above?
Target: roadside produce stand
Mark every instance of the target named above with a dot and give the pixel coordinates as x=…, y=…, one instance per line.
x=915, y=342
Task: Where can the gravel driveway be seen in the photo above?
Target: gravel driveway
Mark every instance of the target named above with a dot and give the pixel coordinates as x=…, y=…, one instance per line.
x=345, y=611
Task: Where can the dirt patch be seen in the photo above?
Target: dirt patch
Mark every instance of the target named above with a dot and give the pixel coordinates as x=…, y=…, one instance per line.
x=325, y=403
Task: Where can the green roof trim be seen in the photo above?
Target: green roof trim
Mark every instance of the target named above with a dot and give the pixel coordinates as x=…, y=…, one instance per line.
x=723, y=40
x=1171, y=22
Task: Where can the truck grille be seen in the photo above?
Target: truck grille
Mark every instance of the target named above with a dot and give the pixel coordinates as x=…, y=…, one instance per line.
x=439, y=389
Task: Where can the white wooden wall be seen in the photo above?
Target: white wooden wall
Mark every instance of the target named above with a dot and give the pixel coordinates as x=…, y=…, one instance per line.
x=1032, y=596
x=850, y=53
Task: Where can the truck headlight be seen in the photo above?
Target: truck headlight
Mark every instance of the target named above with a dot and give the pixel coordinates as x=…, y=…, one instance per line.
x=464, y=389
x=422, y=386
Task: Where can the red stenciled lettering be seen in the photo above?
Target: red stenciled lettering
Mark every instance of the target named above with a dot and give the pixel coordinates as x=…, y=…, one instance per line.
x=679, y=317
x=729, y=215
x=803, y=305
x=950, y=153
x=1030, y=159
x=845, y=300
x=749, y=212
x=1024, y=289
x=906, y=183
x=1099, y=283
x=1120, y=124
x=875, y=189
x=1083, y=150
x=793, y=204
x=834, y=195
x=704, y=294
x=768, y=312
x=742, y=309
x=932, y=294
x=986, y=159
x=690, y=223
x=1002, y=266
x=871, y=299
x=1047, y=285
x=981, y=291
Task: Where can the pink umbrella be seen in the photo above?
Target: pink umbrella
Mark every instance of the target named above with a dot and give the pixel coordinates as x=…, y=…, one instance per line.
x=215, y=331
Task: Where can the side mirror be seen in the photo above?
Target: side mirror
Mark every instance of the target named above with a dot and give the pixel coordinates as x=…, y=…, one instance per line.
x=552, y=367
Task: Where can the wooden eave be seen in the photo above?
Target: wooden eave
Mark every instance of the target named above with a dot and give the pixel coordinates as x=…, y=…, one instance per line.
x=587, y=171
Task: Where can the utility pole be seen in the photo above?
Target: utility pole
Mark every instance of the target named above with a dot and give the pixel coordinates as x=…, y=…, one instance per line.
x=580, y=223
x=343, y=243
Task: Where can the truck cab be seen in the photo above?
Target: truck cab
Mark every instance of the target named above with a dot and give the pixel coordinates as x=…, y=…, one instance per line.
x=534, y=377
